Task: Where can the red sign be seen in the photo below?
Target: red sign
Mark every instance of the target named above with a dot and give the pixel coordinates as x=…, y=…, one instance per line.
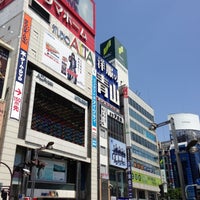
x=71, y=20
x=125, y=92
x=26, y=32
x=4, y=3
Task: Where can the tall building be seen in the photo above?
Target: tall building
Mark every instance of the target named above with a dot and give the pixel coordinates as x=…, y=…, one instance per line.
x=187, y=129
x=142, y=177
x=112, y=160
x=187, y=133
x=143, y=145
x=47, y=57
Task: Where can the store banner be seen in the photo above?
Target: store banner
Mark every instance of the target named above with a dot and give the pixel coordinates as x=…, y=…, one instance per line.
x=21, y=68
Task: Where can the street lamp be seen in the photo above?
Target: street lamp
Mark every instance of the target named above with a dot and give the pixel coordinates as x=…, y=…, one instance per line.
x=33, y=173
x=153, y=127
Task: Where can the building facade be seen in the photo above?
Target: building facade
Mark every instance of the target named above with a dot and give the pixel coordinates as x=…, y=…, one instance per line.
x=143, y=145
x=187, y=131
x=47, y=64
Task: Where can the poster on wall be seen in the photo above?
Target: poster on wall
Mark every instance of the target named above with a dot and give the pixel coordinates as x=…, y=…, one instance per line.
x=118, y=156
x=53, y=171
x=63, y=60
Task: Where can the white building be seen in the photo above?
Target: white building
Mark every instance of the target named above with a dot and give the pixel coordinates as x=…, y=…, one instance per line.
x=143, y=145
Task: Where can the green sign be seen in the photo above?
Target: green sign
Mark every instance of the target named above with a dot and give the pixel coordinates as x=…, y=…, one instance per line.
x=113, y=49
x=145, y=179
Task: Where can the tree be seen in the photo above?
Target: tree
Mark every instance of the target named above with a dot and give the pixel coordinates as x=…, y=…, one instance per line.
x=174, y=193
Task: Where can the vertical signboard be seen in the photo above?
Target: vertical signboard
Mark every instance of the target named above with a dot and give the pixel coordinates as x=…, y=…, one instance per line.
x=107, y=82
x=94, y=109
x=4, y=54
x=129, y=173
x=21, y=68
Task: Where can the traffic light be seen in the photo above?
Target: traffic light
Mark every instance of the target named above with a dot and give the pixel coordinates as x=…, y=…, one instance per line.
x=40, y=164
x=37, y=163
x=32, y=163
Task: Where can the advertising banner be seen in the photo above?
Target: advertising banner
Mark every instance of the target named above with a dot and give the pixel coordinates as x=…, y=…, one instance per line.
x=118, y=157
x=21, y=68
x=63, y=60
x=107, y=82
x=4, y=54
x=129, y=174
x=94, y=109
x=53, y=171
x=145, y=179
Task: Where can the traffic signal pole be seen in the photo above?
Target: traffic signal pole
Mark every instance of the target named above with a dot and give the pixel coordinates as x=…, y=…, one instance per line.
x=153, y=127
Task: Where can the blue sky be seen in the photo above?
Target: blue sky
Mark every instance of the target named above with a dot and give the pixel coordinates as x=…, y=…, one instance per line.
x=162, y=38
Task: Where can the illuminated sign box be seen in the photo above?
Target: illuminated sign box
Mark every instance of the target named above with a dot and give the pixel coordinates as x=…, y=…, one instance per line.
x=113, y=49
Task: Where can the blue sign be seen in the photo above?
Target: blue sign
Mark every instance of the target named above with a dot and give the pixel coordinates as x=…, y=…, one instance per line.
x=21, y=67
x=117, y=154
x=107, y=81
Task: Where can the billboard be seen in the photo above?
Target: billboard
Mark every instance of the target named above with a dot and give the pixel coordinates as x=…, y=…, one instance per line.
x=107, y=81
x=63, y=60
x=185, y=121
x=113, y=49
x=118, y=155
x=54, y=171
x=77, y=16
